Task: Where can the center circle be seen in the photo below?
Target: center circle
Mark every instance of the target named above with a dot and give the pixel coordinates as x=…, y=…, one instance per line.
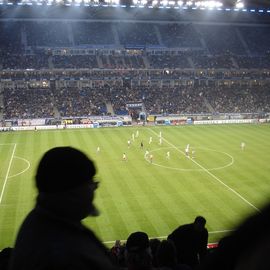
x=195, y=161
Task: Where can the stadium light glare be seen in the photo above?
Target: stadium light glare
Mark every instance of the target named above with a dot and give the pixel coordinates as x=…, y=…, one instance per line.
x=144, y=2
x=171, y=3
x=155, y=2
x=164, y=2
x=209, y=4
x=180, y=3
x=239, y=5
x=189, y=3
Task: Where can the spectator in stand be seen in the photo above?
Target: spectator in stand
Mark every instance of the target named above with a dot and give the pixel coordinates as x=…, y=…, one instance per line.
x=167, y=257
x=52, y=235
x=191, y=242
x=4, y=257
x=138, y=252
x=154, y=244
x=247, y=248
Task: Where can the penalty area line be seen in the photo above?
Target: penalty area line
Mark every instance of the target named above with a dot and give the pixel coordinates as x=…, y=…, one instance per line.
x=211, y=174
x=8, y=170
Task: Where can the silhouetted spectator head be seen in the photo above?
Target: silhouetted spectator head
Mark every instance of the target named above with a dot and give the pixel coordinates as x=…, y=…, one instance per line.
x=199, y=223
x=137, y=241
x=65, y=182
x=138, y=253
x=63, y=168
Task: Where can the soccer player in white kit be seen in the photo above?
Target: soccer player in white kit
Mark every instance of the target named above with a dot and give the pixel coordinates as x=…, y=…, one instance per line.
x=146, y=153
x=243, y=145
x=168, y=154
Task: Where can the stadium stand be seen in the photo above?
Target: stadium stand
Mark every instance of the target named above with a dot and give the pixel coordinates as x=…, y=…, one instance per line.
x=172, y=67
x=95, y=66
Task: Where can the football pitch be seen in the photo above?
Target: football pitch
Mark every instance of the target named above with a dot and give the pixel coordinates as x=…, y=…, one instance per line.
x=221, y=182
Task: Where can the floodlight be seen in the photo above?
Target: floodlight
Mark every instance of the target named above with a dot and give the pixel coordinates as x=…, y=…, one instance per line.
x=135, y=2
x=180, y=3
x=164, y=2
x=239, y=4
x=189, y=3
x=144, y=2
x=171, y=3
x=155, y=2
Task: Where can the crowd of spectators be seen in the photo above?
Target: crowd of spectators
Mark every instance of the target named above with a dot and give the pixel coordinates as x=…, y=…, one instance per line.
x=72, y=102
x=30, y=103
x=202, y=45
x=122, y=62
x=137, y=34
x=239, y=99
x=95, y=33
x=179, y=35
x=257, y=39
x=74, y=61
x=46, y=33
x=169, y=61
x=191, y=60
x=85, y=102
x=30, y=61
x=132, y=75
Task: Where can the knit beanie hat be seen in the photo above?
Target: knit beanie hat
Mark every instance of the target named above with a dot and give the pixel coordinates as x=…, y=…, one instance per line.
x=63, y=168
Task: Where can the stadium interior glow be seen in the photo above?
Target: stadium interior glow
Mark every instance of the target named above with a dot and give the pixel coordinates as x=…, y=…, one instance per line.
x=238, y=5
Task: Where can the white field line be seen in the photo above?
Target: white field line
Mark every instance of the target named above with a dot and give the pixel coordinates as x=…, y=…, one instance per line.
x=6, y=177
x=165, y=236
x=23, y=171
x=211, y=174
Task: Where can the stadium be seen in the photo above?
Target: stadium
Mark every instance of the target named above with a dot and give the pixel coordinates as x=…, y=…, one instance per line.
x=170, y=99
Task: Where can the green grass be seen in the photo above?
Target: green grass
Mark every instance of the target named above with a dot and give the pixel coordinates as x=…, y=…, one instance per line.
x=222, y=183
